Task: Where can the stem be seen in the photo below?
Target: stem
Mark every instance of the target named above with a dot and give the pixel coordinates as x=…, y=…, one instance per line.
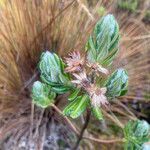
x=86, y=137
x=83, y=129
x=56, y=104
x=38, y=124
x=31, y=121
x=107, y=141
x=67, y=120
x=114, y=119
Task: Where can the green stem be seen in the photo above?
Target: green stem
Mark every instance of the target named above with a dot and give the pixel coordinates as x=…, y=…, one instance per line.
x=83, y=129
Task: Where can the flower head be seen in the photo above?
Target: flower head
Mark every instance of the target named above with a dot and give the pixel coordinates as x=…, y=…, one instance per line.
x=74, y=62
x=98, y=97
x=98, y=68
x=81, y=80
x=96, y=94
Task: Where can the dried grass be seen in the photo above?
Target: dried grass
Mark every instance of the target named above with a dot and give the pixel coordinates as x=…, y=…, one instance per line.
x=28, y=27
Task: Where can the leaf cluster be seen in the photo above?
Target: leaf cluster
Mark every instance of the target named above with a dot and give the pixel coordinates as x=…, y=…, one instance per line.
x=101, y=48
x=136, y=134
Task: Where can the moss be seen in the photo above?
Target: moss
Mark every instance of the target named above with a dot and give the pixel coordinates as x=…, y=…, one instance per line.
x=101, y=10
x=130, y=5
x=133, y=6
x=147, y=15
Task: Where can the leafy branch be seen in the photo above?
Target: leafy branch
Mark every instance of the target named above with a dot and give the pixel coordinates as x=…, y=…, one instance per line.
x=86, y=79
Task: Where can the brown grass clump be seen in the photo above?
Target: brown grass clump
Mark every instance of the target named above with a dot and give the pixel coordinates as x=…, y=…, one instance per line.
x=29, y=27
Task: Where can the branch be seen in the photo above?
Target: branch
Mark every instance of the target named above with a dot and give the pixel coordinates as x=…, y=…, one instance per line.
x=83, y=129
x=104, y=141
x=67, y=120
x=115, y=120
x=85, y=137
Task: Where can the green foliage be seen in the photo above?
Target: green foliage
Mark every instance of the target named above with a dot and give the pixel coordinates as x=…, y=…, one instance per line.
x=77, y=106
x=79, y=102
x=97, y=113
x=42, y=94
x=101, y=49
x=103, y=43
x=74, y=94
x=147, y=16
x=117, y=84
x=136, y=134
x=52, y=72
x=133, y=6
x=101, y=10
x=130, y=5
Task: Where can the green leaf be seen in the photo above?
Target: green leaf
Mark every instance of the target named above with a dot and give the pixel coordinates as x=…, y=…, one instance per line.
x=97, y=113
x=74, y=94
x=117, y=84
x=136, y=134
x=60, y=89
x=52, y=72
x=77, y=107
x=42, y=95
x=102, y=45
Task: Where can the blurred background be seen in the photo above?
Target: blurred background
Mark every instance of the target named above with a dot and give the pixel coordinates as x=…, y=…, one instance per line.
x=29, y=27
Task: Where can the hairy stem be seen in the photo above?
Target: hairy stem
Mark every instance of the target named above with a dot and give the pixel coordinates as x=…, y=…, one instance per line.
x=31, y=121
x=83, y=129
x=114, y=119
x=85, y=137
x=67, y=120
x=107, y=141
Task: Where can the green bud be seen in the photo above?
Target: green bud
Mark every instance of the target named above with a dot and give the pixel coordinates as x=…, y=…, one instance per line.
x=102, y=45
x=42, y=95
x=142, y=129
x=136, y=134
x=117, y=84
x=146, y=146
x=52, y=72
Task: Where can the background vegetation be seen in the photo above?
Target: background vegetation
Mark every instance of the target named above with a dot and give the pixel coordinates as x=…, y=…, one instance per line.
x=29, y=27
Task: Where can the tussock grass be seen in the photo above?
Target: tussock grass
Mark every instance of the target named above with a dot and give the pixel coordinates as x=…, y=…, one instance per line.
x=29, y=27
